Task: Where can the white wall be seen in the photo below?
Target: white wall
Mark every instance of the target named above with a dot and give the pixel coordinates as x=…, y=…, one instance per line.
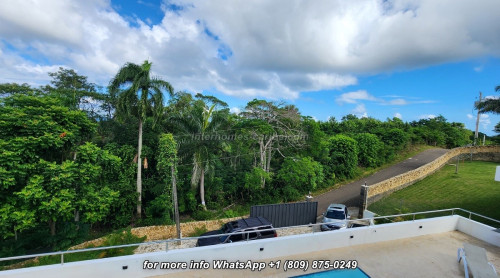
x=478, y=230
x=243, y=251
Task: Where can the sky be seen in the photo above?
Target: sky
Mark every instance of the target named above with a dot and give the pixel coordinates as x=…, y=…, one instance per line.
x=372, y=58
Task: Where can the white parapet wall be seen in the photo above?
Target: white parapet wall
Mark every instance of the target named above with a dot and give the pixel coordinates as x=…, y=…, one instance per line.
x=256, y=251
x=478, y=230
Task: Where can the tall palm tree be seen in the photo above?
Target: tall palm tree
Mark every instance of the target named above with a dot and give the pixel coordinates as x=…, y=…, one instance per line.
x=139, y=95
x=489, y=105
x=202, y=122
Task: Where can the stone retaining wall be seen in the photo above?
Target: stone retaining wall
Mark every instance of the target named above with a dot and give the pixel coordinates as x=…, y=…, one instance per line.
x=153, y=233
x=386, y=187
x=187, y=229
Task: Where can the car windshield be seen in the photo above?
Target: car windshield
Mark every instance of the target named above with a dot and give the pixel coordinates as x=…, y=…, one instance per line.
x=226, y=229
x=335, y=214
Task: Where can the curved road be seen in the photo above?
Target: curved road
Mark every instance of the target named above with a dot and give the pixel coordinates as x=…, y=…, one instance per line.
x=349, y=194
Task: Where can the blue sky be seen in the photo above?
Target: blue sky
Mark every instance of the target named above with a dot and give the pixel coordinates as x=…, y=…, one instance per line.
x=410, y=59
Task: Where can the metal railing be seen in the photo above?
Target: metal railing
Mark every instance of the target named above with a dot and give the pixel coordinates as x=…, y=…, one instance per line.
x=371, y=221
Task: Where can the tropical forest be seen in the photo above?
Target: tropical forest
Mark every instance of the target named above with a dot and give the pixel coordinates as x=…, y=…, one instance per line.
x=78, y=160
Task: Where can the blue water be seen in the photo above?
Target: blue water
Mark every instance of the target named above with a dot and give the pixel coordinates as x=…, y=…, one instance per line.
x=341, y=273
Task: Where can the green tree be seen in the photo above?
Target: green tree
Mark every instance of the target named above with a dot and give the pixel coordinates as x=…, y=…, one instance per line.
x=162, y=205
x=370, y=148
x=142, y=96
x=40, y=181
x=343, y=156
x=202, y=123
x=273, y=126
x=75, y=92
x=301, y=175
x=490, y=105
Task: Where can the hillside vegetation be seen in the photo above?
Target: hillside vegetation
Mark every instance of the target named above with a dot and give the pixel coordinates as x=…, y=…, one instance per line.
x=78, y=160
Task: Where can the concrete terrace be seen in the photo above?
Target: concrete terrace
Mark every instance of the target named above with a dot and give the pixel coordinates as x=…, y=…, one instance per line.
x=423, y=256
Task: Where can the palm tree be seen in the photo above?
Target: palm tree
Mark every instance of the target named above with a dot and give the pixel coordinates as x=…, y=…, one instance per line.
x=490, y=104
x=202, y=123
x=141, y=96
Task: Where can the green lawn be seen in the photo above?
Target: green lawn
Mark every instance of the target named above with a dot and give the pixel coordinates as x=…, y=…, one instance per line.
x=473, y=188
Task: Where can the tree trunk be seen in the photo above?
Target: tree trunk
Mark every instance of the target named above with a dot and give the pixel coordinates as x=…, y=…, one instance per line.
x=77, y=219
x=52, y=225
x=268, y=166
x=202, y=187
x=262, y=151
x=139, y=172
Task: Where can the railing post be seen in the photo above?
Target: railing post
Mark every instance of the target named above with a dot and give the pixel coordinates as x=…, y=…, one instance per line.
x=470, y=215
x=414, y=217
x=62, y=258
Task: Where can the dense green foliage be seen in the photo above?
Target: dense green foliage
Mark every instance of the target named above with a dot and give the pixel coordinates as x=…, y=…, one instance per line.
x=67, y=168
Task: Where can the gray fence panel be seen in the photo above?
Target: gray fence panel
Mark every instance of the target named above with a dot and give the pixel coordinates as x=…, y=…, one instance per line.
x=284, y=215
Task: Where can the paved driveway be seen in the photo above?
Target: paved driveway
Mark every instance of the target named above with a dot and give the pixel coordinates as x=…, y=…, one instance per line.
x=349, y=193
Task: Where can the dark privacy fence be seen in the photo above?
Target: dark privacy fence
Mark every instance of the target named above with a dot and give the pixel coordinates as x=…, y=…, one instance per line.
x=283, y=215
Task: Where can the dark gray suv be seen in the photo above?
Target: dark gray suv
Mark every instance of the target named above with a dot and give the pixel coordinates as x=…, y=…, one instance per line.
x=251, y=228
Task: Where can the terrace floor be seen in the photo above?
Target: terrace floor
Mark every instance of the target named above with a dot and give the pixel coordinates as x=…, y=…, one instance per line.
x=423, y=256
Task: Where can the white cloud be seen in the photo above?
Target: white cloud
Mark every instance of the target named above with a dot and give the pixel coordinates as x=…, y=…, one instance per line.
x=235, y=110
x=398, y=101
x=272, y=49
x=491, y=97
x=398, y=115
x=484, y=120
x=478, y=69
x=360, y=111
x=354, y=97
x=427, y=116
x=401, y=101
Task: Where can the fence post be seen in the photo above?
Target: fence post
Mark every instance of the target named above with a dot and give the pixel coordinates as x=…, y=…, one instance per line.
x=62, y=258
x=363, y=200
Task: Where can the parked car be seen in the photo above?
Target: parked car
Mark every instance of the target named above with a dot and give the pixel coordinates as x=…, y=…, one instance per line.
x=252, y=228
x=336, y=217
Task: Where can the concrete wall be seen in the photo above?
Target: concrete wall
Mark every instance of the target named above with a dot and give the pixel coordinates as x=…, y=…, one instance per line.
x=256, y=251
x=478, y=230
x=386, y=187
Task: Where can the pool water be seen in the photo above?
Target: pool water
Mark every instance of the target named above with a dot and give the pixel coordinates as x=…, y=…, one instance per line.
x=341, y=273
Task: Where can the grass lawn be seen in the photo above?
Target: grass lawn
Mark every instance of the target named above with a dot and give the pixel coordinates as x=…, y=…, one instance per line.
x=473, y=188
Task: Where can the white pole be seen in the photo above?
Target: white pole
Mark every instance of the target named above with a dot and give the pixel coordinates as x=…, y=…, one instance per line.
x=477, y=122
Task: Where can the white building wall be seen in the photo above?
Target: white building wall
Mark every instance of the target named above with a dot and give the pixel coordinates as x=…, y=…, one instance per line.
x=260, y=250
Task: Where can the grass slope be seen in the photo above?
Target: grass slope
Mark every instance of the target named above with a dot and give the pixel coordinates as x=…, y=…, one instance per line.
x=473, y=188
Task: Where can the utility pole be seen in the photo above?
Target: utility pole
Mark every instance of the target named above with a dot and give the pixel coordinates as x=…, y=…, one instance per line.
x=477, y=121
x=176, y=206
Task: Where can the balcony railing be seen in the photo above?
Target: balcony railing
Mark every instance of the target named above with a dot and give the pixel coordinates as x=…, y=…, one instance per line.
x=313, y=227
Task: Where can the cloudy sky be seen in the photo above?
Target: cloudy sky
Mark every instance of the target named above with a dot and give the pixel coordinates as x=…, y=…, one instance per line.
x=407, y=59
